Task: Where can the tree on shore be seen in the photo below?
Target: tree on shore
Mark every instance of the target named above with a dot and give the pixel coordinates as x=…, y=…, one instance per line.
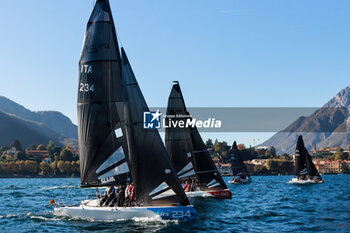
x=16, y=144
x=209, y=143
x=41, y=147
x=20, y=155
x=44, y=168
x=66, y=155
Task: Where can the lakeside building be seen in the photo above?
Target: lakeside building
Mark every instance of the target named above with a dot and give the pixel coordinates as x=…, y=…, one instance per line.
x=323, y=166
x=332, y=167
x=327, y=151
x=37, y=154
x=224, y=168
x=11, y=151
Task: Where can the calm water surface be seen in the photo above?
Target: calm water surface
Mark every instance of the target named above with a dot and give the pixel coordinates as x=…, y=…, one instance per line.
x=268, y=204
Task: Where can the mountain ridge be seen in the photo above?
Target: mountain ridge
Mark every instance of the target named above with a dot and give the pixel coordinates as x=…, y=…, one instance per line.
x=34, y=127
x=327, y=126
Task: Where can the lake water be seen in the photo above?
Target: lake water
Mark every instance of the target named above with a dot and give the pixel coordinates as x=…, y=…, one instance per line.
x=268, y=204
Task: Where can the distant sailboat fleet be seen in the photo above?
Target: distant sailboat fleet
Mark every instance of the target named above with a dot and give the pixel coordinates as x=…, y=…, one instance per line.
x=153, y=179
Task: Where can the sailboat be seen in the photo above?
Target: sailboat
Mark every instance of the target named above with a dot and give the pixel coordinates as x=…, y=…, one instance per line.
x=188, y=153
x=239, y=170
x=114, y=147
x=305, y=170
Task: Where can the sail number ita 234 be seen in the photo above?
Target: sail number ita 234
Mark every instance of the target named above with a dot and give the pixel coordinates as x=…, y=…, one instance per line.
x=86, y=87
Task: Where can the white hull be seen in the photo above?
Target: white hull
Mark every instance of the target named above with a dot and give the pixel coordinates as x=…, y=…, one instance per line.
x=242, y=181
x=199, y=194
x=88, y=210
x=219, y=194
x=298, y=181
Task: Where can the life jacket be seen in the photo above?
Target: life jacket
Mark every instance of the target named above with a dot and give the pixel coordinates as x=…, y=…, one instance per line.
x=132, y=191
x=187, y=187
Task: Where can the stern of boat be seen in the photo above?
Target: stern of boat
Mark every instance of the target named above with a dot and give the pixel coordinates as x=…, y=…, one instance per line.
x=175, y=213
x=221, y=194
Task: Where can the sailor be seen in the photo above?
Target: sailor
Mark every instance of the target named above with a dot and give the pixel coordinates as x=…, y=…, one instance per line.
x=121, y=196
x=110, y=195
x=132, y=194
x=193, y=185
x=127, y=194
x=115, y=199
x=196, y=186
x=105, y=196
x=187, y=186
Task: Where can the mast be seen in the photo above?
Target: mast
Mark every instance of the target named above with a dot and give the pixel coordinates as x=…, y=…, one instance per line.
x=237, y=165
x=100, y=116
x=187, y=149
x=154, y=178
x=178, y=140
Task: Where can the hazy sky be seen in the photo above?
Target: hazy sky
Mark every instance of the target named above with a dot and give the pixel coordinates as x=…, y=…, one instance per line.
x=224, y=53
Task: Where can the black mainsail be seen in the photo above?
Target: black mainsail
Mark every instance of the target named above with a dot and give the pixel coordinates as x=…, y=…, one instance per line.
x=237, y=165
x=300, y=158
x=303, y=161
x=178, y=140
x=100, y=104
x=187, y=149
x=155, y=180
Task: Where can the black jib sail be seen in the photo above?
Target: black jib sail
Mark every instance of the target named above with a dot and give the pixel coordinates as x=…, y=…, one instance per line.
x=100, y=104
x=153, y=175
x=312, y=170
x=178, y=140
x=237, y=165
x=208, y=176
x=187, y=149
x=300, y=158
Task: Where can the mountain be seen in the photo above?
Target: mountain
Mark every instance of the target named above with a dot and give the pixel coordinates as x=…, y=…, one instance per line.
x=17, y=122
x=27, y=132
x=327, y=126
x=51, y=119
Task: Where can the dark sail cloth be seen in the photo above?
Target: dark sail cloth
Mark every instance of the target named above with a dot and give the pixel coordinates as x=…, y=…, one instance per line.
x=237, y=165
x=100, y=104
x=154, y=178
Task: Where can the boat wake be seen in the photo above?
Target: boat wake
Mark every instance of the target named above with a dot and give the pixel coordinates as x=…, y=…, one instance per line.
x=8, y=216
x=43, y=217
x=60, y=187
x=156, y=219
